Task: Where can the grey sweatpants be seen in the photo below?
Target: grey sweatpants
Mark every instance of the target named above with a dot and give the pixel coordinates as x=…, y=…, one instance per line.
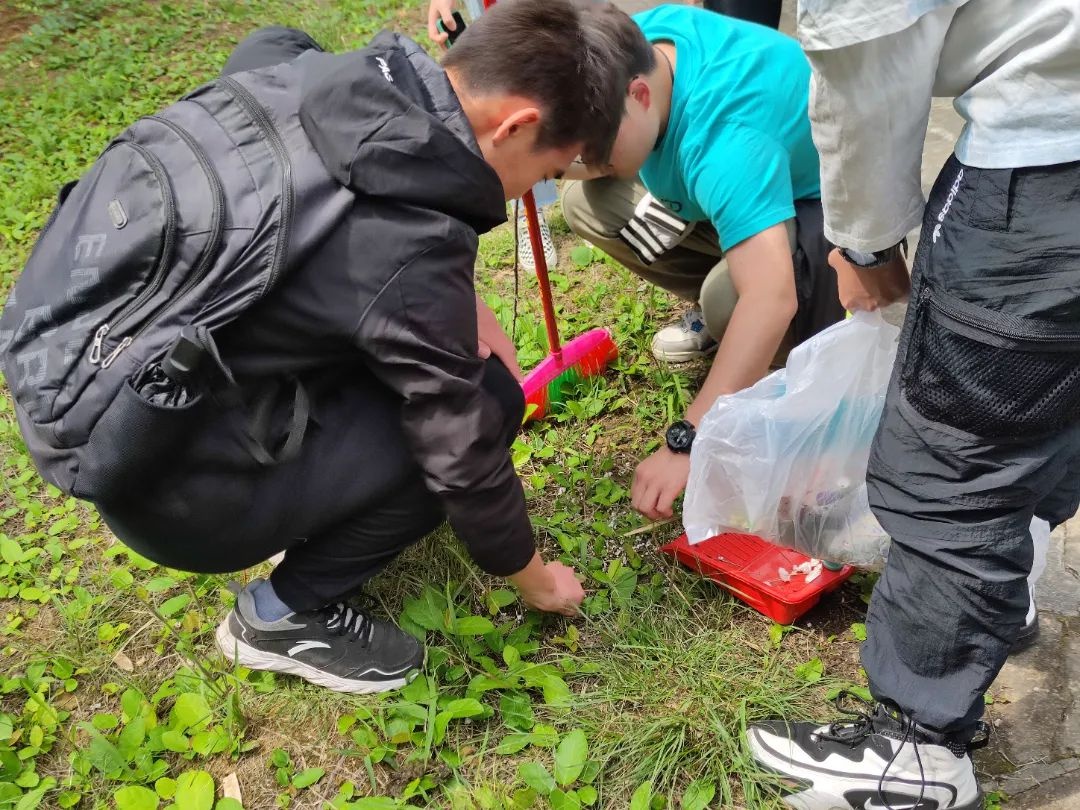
x=981, y=431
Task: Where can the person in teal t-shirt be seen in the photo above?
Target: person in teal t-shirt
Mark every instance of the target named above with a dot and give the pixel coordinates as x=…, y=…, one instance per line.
x=712, y=194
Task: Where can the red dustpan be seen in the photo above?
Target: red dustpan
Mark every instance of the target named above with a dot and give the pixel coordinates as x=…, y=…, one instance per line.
x=749, y=568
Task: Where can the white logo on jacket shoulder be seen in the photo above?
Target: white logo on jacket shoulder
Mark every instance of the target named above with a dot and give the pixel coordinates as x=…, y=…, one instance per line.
x=385, y=68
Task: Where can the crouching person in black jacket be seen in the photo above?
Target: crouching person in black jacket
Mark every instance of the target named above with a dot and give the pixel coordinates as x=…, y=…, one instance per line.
x=376, y=347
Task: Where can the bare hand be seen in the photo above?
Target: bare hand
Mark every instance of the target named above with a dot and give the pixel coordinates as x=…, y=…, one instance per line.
x=868, y=289
x=444, y=10
x=658, y=481
x=563, y=593
x=493, y=340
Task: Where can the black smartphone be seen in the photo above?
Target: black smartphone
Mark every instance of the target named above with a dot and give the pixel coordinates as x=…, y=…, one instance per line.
x=459, y=21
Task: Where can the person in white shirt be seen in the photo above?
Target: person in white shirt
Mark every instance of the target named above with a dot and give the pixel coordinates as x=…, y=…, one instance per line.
x=981, y=428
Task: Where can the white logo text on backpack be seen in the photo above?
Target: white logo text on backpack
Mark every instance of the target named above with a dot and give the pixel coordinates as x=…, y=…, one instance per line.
x=89, y=246
x=385, y=68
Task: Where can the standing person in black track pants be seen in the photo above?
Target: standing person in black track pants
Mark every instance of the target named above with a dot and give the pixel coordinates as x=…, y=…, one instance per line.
x=981, y=427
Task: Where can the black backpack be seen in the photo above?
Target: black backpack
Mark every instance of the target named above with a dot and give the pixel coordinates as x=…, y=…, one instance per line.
x=186, y=219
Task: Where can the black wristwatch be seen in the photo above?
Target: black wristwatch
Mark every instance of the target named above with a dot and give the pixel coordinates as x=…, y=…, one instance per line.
x=875, y=259
x=680, y=437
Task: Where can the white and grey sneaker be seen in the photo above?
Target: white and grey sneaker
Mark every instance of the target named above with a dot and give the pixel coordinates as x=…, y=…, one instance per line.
x=338, y=647
x=525, y=251
x=686, y=340
x=876, y=759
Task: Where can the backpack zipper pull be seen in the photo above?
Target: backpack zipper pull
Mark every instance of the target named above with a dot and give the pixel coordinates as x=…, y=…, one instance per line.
x=99, y=339
x=108, y=361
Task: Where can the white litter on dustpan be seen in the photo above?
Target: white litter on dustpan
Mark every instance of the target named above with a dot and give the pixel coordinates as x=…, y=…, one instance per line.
x=811, y=569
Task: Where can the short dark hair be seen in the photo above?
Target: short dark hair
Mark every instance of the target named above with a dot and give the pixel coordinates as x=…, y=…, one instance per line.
x=575, y=57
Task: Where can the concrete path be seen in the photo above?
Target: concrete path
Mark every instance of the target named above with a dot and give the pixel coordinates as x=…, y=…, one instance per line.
x=1034, y=755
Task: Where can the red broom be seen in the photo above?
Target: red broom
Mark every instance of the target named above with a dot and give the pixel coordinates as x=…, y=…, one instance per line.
x=585, y=356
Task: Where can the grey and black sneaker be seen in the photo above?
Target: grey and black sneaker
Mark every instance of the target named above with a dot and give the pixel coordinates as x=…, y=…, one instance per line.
x=339, y=646
x=876, y=759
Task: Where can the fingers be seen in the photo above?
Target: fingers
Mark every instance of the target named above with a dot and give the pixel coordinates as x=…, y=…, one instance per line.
x=665, y=502
x=494, y=338
x=436, y=36
x=483, y=351
x=506, y=352
x=502, y=348
x=637, y=492
x=573, y=604
x=642, y=497
x=443, y=11
x=569, y=592
x=658, y=481
x=647, y=501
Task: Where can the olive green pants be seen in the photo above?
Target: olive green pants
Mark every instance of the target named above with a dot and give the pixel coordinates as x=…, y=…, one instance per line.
x=694, y=269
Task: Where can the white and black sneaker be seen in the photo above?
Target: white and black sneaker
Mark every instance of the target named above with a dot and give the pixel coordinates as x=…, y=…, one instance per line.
x=876, y=759
x=339, y=646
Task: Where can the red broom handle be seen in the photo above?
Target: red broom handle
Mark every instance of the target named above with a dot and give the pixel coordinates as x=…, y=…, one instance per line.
x=554, y=345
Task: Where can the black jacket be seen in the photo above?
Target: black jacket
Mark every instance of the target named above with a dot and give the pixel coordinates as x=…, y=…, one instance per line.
x=393, y=284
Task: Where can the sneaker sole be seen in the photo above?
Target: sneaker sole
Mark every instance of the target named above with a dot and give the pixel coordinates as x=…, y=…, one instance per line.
x=815, y=798
x=244, y=654
x=1027, y=638
x=531, y=266
x=675, y=358
x=685, y=356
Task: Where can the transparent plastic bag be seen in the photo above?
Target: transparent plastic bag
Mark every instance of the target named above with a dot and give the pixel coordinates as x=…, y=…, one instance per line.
x=786, y=458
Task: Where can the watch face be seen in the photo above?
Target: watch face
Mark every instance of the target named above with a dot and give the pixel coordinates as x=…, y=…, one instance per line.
x=680, y=436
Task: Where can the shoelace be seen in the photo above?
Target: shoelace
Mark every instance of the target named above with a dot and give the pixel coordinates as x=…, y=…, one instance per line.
x=689, y=318
x=855, y=731
x=909, y=727
x=861, y=725
x=345, y=620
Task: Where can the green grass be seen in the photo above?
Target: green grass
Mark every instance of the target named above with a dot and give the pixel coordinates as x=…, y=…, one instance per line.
x=111, y=694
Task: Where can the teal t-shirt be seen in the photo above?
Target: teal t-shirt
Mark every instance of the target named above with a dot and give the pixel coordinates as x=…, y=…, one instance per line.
x=737, y=150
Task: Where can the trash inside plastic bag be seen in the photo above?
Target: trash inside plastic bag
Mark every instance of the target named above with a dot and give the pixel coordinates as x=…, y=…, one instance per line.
x=786, y=459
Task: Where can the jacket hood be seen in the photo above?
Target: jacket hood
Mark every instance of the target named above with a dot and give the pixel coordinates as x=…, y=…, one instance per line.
x=386, y=122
